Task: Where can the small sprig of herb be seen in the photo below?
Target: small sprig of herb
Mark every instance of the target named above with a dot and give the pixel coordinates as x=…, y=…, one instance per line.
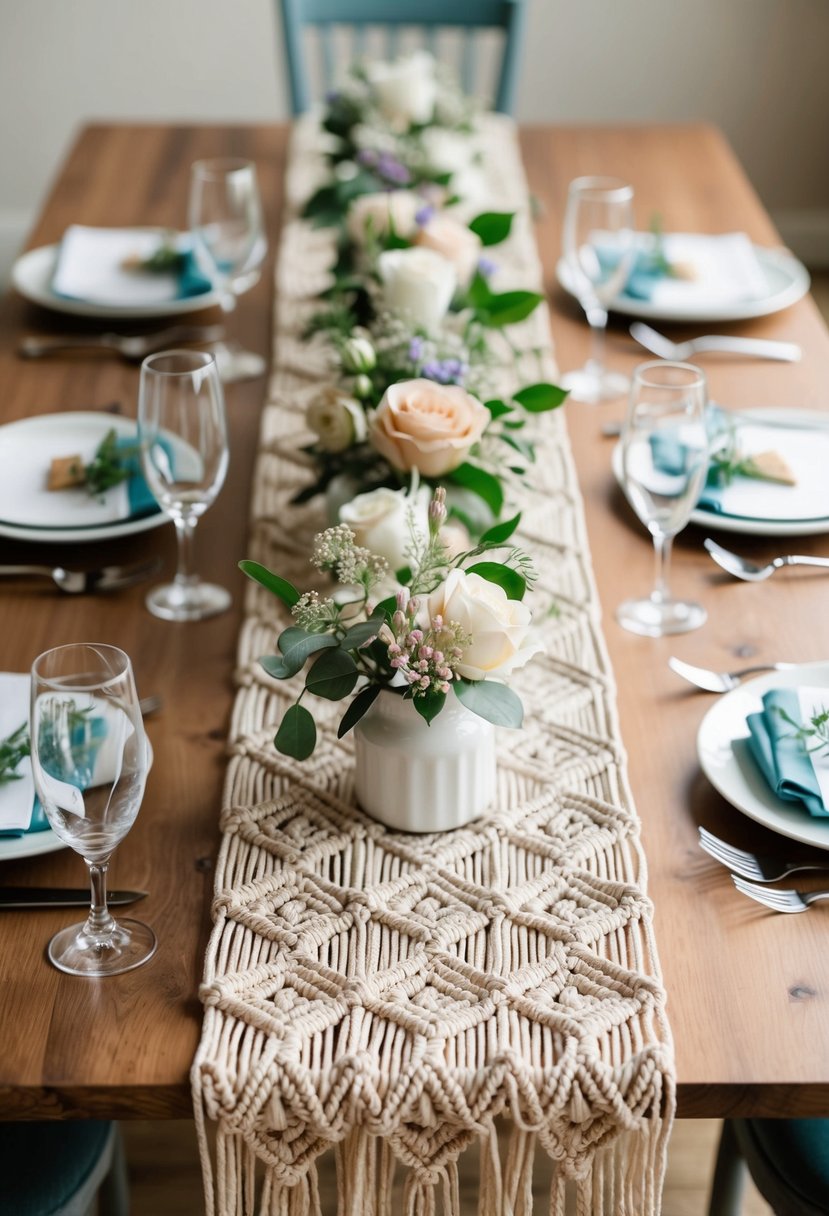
x=13, y=750
x=166, y=259
x=109, y=466
x=817, y=731
x=658, y=261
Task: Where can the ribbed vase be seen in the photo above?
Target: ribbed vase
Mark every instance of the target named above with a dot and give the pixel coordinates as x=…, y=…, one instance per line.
x=423, y=778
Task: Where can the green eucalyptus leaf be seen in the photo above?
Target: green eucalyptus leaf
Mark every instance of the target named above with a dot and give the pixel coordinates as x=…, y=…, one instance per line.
x=510, y=580
x=274, y=583
x=297, y=734
x=385, y=608
x=482, y=483
x=479, y=292
x=492, y=226
x=275, y=665
x=360, y=706
x=296, y=645
x=498, y=408
x=522, y=446
x=429, y=704
x=538, y=398
x=509, y=307
x=360, y=635
x=333, y=676
x=490, y=700
x=501, y=532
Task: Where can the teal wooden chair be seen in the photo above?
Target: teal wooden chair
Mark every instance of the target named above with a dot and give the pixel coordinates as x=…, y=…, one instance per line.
x=788, y=1159
x=428, y=17
x=62, y=1169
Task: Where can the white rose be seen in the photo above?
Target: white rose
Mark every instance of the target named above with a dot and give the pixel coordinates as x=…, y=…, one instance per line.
x=377, y=213
x=418, y=283
x=336, y=419
x=453, y=241
x=358, y=355
x=448, y=151
x=380, y=521
x=498, y=626
x=406, y=89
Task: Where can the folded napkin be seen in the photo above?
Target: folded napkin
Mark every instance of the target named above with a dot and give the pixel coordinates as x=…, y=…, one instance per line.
x=90, y=267
x=792, y=771
x=720, y=270
x=20, y=810
x=804, y=450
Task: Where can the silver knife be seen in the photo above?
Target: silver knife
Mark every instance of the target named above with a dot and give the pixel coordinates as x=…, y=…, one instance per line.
x=60, y=897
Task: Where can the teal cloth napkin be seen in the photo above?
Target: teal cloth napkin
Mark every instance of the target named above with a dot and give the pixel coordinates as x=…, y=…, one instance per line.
x=670, y=455
x=191, y=280
x=646, y=271
x=141, y=501
x=91, y=740
x=780, y=756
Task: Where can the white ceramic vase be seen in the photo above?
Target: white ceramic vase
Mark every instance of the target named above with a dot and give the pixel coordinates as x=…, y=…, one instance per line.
x=423, y=778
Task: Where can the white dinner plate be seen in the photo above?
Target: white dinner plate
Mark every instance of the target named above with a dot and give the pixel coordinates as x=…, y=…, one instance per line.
x=737, y=778
x=32, y=276
x=32, y=844
x=37, y=514
x=799, y=421
x=787, y=282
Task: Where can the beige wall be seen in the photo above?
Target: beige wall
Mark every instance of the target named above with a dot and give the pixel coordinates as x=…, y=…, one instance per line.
x=756, y=67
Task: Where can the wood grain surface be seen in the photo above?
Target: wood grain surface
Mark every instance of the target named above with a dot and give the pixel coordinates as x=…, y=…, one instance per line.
x=747, y=990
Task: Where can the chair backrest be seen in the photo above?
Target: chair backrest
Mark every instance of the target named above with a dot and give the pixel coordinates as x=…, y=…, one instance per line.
x=465, y=18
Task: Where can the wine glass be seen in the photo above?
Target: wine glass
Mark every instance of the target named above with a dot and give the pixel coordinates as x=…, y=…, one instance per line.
x=665, y=454
x=182, y=433
x=598, y=245
x=90, y=760
x=230, y=244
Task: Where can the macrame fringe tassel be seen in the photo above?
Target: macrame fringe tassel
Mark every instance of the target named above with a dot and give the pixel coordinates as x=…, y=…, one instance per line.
x=355, y=1159
x=385, y=1178
x=418, y=1197
x=301, y=1199
x=491, y=1196
x=518, y=1173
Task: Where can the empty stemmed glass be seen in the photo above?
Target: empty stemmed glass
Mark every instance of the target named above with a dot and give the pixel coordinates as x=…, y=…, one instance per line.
x=90, y=759
x=182, y=433
x=598, y=246
x=665, y=454
x=225, y=217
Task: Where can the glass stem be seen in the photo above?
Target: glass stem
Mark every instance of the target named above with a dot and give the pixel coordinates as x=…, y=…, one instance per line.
x=662, y=545
x=597, y=320
x=99, y=923
x=185, y=534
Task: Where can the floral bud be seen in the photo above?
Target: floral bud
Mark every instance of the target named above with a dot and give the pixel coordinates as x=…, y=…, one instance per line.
x=358, y=355
x=361, y=387
x=437, y=511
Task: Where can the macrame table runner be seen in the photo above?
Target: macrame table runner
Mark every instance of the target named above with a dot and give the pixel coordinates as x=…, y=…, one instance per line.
x=390, y=995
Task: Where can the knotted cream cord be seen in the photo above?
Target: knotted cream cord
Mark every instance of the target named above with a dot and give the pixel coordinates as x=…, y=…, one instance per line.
x=390, y=995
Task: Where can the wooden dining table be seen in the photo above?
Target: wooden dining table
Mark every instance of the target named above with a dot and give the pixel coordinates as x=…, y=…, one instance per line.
x=748, y=990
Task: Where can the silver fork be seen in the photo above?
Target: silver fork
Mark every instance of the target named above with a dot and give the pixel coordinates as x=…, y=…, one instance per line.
x=741, y=567
x=777, y=900
x=757, y=348
x=719, y=681
x=79, y=582
x=130, y=348
x=759, y=867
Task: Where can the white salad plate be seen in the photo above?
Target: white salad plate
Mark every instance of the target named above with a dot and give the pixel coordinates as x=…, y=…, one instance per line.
x=32, y=275
x=787, y=281
x=800, y=435
x=28, y=511
x=33, y=844
x=736, y=776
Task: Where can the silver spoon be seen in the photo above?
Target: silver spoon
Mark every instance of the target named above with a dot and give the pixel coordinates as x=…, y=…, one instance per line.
x=757, y=348
x=719, y=681
x=740, y=567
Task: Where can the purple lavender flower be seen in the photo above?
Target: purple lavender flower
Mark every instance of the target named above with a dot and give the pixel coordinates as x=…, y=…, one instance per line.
x=331, y=96
x=368, y=157
x=432, y=370
x=425, y=215
x=416, y=349
x=392, y=169
x=486, y=266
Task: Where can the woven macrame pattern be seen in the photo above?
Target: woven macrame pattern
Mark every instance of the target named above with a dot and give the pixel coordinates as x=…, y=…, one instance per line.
x=389, y=995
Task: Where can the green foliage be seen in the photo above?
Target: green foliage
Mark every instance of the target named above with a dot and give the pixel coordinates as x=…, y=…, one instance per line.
x=333, y=675
x=493, y=226
x=13, y=749
x=358, y=708
x=502, y=531
x=485, y=485
x=430, y=705
x=278, y=586
x=490, y=700
x=539, y=398
x=510, y=580
x=297, y=734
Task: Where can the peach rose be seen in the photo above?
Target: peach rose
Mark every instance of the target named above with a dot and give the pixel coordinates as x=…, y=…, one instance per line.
x=426, y=426
x=454, y=241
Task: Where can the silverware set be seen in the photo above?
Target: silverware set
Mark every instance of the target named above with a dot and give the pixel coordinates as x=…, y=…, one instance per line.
x=82, y=582
x=752, y=871
x=729, y=344
x=133, y=348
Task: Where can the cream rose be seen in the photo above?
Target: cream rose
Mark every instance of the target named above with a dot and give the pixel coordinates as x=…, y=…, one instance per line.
x=453, y=241
x=380, y=521
x=426, y=426
x=406, y=89
x=497, y=626
x=337, y=420
x=417, y=283
x=378, y=212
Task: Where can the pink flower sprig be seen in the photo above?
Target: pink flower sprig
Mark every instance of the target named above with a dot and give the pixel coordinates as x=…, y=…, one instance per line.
x=427, y=655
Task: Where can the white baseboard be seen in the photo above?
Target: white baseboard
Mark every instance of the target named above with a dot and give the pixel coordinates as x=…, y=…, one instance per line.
x=806, y=233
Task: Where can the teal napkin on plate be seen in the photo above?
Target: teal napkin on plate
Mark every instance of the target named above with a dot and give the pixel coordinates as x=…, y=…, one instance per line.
x=780, y=756
x=141, y=501
x=646, y=271
x=191, y=280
